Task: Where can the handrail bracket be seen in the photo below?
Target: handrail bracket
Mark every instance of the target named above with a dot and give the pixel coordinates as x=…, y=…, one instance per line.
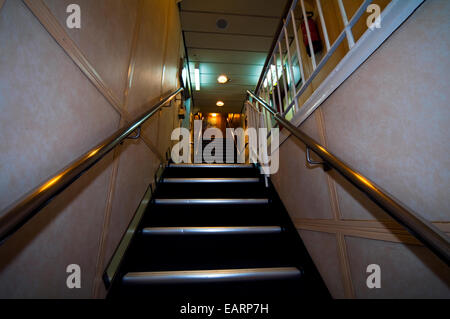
x=137, y=135
x=325, y=165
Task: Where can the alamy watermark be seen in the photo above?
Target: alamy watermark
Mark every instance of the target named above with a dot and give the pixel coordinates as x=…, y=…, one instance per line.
x=74, y=19
x=74, y=279
x=213, y=152
x=374, y=279
x=374, y=19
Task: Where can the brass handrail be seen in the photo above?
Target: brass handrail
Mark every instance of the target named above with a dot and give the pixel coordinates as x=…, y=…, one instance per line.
x=420, y=228
x=16, y=215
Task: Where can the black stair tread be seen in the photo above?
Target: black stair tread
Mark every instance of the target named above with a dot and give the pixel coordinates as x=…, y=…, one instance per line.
x=215, y=190
x=282, y=275
x=207, y=215
x=211, y=172
x=184, y=252
x=147, y=278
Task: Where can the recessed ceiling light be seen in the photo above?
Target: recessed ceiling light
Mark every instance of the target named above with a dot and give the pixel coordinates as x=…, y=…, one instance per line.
x=222, y=79
x=220, y=103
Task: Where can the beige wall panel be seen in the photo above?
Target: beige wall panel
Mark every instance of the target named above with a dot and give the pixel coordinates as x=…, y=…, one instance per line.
x=324, y=244
x=146, y=82
x=354, y=204
x=137, y=166
x=171, y=62
x=51, y=113
x=167, y=122
x=150, y=129
x=303, y=190
x=406, y=271
x=33, y=261
x=390, y=118
x=105, y=36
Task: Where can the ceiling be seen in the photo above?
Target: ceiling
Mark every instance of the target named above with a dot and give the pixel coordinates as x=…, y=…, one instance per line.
x=238, y=51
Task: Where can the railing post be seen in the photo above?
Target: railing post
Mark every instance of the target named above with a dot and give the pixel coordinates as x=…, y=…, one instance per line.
x=308, y=34
x=348, y=30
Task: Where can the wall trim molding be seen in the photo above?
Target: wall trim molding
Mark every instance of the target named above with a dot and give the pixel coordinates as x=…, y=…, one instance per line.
x=334, y=202
x=96, y=291
x=385, y=230
x=345, y=266
x=51, y=24
x=132, y=59
x=166, y=41
x=335, y=208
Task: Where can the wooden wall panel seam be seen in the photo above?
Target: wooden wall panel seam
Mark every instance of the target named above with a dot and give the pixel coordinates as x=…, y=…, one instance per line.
x=333, y=198
x=443, y=226
x=152, y=147
x=385, y=231
x=131, y=67
x=106, y=221
x=132, y=59
x=368, y=234
x=354, y=223
x=334, y=202
x=345, y=266
x=379, y=225
x=166, y=41
x=51, y=24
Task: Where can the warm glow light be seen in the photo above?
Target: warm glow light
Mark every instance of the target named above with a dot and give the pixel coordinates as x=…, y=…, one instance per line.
x=220, y=103
x=222, y=79
x=213, y=114
x=197, y=78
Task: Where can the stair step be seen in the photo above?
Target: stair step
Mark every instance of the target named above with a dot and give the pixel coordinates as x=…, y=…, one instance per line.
x=209, y=201
x=211, y=180
x=207, y=215
x=211, y=189
x=211, y=170
x=201, y=165
x=247, y=230
x=219, y=275
x=203, y=251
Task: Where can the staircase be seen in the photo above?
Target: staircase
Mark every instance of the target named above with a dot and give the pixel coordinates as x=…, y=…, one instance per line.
x=215, y=234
